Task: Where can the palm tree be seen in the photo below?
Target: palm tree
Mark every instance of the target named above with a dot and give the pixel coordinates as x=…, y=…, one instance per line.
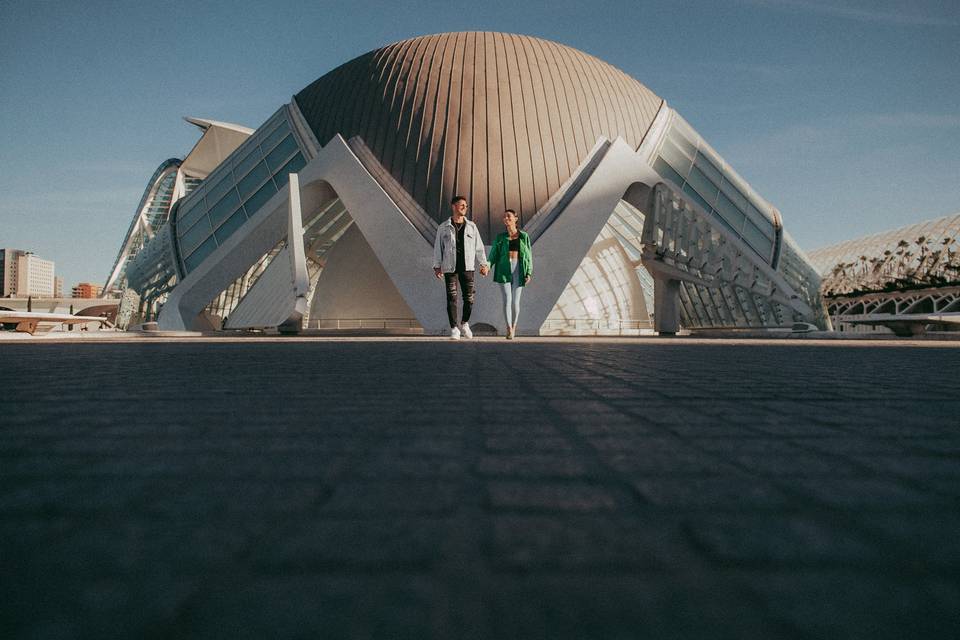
x=909, y=272
x=887, y=261
x=923, y=244
x=901, y=261
x=933, y=268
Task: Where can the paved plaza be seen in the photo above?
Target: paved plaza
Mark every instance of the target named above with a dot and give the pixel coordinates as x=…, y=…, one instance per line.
x=418, y=488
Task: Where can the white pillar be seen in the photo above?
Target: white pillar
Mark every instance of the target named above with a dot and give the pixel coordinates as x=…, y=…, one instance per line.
x=666, y=305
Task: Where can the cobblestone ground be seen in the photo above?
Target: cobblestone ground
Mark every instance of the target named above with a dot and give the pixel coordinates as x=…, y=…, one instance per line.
x=417, y=488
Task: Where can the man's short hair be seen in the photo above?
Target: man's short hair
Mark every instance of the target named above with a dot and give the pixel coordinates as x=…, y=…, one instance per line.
x=513, y=212
x=457, y=199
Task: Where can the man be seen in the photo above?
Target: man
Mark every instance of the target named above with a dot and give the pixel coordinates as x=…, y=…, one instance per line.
x=456, y=252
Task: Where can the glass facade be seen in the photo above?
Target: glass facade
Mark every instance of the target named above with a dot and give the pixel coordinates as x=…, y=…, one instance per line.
x=800, y=274
x=705, y=178
x=159, y=206
x=728, y=286
x=236, y=190
x=610, y=292
x=224, y=304
x=726, y=306
x=152, y=215
x=321, y=230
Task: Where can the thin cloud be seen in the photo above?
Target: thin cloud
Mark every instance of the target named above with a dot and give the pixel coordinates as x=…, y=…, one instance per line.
x=713, y=69
x=838, y=137
x=53, y=204
x=908, y=120
x=763, y=71
x=912, y=17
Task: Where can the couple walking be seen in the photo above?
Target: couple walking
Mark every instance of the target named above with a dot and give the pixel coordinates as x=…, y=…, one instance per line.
x=456, y=252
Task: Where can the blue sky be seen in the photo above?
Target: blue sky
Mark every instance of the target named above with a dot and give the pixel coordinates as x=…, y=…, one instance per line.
x=845, y=115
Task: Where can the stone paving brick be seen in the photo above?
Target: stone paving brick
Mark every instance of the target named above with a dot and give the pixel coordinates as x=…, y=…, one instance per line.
x=912, y=465
x=520, y=443
x=553, y=496
x=851, y=604
x=228, y=495
x=640, y=606
x=600, y=542
x=848, y=444
x=799, y=464
x=867, y=493
x=533, y=466
x=769, y=539
x=413, y=496
x=943, y=486
x=658, y=462
x=615, y=489
x=65, y=495
x=945, y=445
x=385, y=465
x=712, y=492
x=376, y=543
x=923, y=541
x=335, y=606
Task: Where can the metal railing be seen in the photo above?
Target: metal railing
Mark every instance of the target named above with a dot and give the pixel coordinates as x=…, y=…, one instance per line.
x=587, y=325
x=363, y=323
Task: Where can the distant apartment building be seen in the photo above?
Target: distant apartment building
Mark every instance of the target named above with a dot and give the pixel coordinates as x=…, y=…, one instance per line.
x=24, y=274
x=8, y=267
x=34, y=276
x=86, y=290
x=57, y=287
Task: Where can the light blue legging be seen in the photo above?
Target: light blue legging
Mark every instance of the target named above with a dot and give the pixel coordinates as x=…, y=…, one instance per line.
x=511, y=294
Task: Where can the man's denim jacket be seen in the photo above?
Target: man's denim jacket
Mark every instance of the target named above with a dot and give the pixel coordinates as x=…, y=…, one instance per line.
x=445, y=247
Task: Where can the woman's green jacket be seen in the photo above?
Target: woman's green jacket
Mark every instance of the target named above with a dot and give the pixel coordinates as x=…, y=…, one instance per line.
x=500, y=258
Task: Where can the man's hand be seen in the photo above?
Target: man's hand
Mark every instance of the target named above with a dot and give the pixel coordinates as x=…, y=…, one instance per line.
x=437, y=272
x=484, y=270
x=526, y=280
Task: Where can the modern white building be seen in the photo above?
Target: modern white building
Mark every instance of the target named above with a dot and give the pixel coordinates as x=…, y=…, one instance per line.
x=172, y=180
x=25, y=274
x=326, y=214
x=904, y=280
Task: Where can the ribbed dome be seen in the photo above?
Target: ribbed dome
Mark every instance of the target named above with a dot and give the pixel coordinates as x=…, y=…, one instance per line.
x=501, y=119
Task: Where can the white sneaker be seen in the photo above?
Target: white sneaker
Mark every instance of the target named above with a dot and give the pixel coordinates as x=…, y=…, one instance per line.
x=465, y=329
x=455, y=333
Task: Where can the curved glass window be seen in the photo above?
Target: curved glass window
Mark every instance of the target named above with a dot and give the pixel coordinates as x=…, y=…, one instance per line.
x=198, y=256
x=195, y=235
x=689, y=163
x=233, y=223
x=189, y=216
x=216, y=192
x=249, y=183
x=243, y=165
x=800, y=273
x=238, y=188
x=296, y=163
x=223, y=208
x=260, y=198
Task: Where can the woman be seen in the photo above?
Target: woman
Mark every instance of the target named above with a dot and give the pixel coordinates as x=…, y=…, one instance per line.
x=512, y=261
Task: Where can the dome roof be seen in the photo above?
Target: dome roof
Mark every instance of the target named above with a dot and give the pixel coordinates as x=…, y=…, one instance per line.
x=501, y=119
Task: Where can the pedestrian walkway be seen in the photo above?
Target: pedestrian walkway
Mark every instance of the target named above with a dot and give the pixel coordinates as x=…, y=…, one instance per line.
x=422, y=488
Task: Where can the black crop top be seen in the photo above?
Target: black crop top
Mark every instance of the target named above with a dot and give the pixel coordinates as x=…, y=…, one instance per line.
x=515, y=244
